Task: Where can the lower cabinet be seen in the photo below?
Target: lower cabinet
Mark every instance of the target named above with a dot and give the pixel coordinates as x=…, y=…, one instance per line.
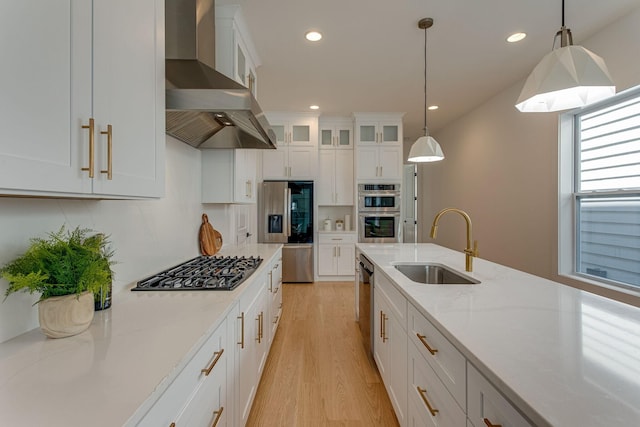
x=217, y=386
x=390, y=343
x=275, y=291
x=206, y=408
x=189, y=400
x=432, y=402
x=336, y=254
x=251, y=348
x=428, y=380
x=487, y=407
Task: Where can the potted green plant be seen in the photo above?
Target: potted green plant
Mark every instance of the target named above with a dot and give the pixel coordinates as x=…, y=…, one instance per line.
x=68, y=268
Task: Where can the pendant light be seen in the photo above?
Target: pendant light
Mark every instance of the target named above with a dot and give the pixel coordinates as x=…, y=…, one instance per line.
x=567, y=77
x=426, y=148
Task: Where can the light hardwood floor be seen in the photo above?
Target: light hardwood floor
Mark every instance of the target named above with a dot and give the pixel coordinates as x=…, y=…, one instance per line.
x=317, y=373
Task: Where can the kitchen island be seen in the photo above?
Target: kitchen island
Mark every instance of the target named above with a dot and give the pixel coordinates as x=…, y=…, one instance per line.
x=113, y=373
x=560, y=356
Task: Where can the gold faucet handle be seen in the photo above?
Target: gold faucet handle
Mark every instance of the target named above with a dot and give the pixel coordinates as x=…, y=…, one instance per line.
x=475, y=252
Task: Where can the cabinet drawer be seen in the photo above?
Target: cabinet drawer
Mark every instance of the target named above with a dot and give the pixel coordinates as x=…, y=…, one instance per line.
x=397, y=301
x=425, y=388
x=337, y=238
x=167, y=408
x=444, y=358
x=485, y=402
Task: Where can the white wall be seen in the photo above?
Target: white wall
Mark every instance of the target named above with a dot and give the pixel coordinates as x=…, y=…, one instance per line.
x=501, y=167
x=147, y=235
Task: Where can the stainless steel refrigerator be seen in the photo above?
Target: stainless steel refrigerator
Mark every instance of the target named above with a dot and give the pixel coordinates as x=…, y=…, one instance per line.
x=286, y=216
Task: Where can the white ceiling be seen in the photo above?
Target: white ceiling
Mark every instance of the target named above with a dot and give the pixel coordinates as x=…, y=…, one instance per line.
x=371, y=58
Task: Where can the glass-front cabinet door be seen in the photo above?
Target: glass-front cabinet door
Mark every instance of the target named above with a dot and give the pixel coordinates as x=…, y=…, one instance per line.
x=336, y=133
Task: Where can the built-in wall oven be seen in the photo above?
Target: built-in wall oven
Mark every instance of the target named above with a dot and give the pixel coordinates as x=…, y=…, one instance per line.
x=379, y=213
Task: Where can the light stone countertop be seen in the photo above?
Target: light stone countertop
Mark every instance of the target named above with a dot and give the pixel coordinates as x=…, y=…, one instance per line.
x=130, y=353
x=565, y=357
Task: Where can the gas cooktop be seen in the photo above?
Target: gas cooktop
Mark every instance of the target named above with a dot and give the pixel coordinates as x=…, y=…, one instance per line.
x=203, y=273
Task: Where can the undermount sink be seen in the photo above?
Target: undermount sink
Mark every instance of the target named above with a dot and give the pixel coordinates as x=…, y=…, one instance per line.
x=434, y=274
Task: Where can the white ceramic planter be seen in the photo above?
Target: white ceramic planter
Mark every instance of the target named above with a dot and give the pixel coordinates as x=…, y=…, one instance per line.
x=66, y=315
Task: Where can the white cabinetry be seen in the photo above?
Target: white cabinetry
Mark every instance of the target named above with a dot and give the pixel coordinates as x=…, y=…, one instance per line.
x=198, y=394
x=297, y=153
x=251, y=348
x=336, y=133
x=379, y=163
x=217, y=385
x=335, y=182
x=236, y=56
x=429, y=399
x=336, y=254
x=229, y=176
x=487, y=406
x=445, y=360
x=100, y=107
x=378, y=146
x=390, y=343
x=275, y=292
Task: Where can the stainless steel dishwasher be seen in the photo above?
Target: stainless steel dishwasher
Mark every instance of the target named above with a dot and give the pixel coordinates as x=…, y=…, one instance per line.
x=365, y=303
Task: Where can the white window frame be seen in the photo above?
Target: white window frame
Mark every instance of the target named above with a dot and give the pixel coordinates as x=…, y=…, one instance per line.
x=566, y=200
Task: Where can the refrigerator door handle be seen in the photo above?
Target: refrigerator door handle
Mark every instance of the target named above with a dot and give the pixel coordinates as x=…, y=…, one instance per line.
x=288, y=210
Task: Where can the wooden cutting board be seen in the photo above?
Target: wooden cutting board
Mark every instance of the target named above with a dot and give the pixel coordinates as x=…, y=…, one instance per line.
x=210, y=238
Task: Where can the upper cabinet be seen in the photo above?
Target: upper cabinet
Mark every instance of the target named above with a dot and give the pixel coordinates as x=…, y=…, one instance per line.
x=229, y=176
x=236, y=56
x=297, y=154
x=381, y=129
x=335, y=133
x=378, y=147
x=83, y=98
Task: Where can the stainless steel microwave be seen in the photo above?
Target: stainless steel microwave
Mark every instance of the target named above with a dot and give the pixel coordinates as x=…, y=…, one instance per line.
x=378, y=197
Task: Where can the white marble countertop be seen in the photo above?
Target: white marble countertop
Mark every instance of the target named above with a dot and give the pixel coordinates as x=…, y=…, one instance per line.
x=130, y=353
x=565, y=357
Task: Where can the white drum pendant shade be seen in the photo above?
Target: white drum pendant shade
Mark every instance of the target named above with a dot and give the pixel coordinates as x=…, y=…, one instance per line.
x=567, y=77
x=425, y=149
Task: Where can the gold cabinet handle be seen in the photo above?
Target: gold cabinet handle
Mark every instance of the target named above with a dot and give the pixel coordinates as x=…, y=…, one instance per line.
x=271, y=281
x=259, y=319
x=276, y=321
x=423, y=395
x=91, y=127
x=384, y=328
x=381, y=321
x=424, y=341
x=218, y=414
x=217, y=355
x=241, y=317
x=109, y=133
x=488, y=423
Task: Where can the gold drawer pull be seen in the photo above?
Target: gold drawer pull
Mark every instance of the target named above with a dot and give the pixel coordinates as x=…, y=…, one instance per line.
x=422, y=339
x=241, y=317
x=384, y=328
x=91, y=127
x=423, y=395
x=277, y=318
x=381, y=321
x=208, y=369
x=109, y=170
x=218, y=414
x=488, y=423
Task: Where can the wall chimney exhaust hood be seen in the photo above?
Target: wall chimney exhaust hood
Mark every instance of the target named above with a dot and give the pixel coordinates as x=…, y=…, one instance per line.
x=205, y=108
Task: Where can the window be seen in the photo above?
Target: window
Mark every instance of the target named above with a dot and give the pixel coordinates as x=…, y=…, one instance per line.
x=604, y=195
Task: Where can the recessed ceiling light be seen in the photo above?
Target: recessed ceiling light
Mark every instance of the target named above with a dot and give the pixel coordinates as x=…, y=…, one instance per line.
x=433, y=107
x=313, y=36
x=516, y=37
x=314, y=107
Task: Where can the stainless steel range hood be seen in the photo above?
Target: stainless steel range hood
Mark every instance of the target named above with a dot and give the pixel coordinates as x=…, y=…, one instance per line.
x=205, y=108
